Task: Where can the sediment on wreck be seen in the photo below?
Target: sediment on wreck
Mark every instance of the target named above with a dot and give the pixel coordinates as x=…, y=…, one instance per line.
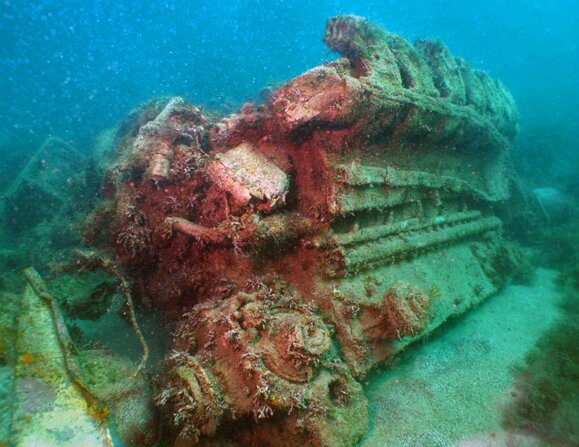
x=303, y=242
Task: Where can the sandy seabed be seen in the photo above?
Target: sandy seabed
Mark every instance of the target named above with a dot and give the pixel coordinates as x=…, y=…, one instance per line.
x=450, y=389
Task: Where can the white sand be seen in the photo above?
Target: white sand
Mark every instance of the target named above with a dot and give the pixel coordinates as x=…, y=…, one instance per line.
x=449, y=391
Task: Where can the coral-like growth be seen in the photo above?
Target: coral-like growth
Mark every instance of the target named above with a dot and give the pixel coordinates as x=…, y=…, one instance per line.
x=295, y=241
x=275, y=357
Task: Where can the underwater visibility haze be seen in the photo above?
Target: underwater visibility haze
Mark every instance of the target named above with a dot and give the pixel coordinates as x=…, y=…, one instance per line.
x=289, y=223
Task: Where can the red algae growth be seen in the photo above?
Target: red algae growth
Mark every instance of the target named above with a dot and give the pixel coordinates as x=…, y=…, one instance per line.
x=241, y=277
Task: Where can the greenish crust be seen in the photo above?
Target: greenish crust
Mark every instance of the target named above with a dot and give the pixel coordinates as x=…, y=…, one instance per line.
x=96, y=388
x=426, y=75
x=401, y=103
x=9, y=304
x=414, y=224
x=129, y=399
x=356, y=39
x=360, y=175
x=372, y=253
x=86, y=295
x=49, y=408
x=453, y=280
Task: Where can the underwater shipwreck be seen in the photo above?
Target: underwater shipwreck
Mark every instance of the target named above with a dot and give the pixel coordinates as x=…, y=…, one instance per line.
x=291, y=248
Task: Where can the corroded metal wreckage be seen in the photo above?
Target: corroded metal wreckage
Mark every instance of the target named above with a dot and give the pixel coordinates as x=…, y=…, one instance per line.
x=302, y=242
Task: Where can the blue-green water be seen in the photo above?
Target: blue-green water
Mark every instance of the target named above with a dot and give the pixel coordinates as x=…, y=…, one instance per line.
x=70, y=67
